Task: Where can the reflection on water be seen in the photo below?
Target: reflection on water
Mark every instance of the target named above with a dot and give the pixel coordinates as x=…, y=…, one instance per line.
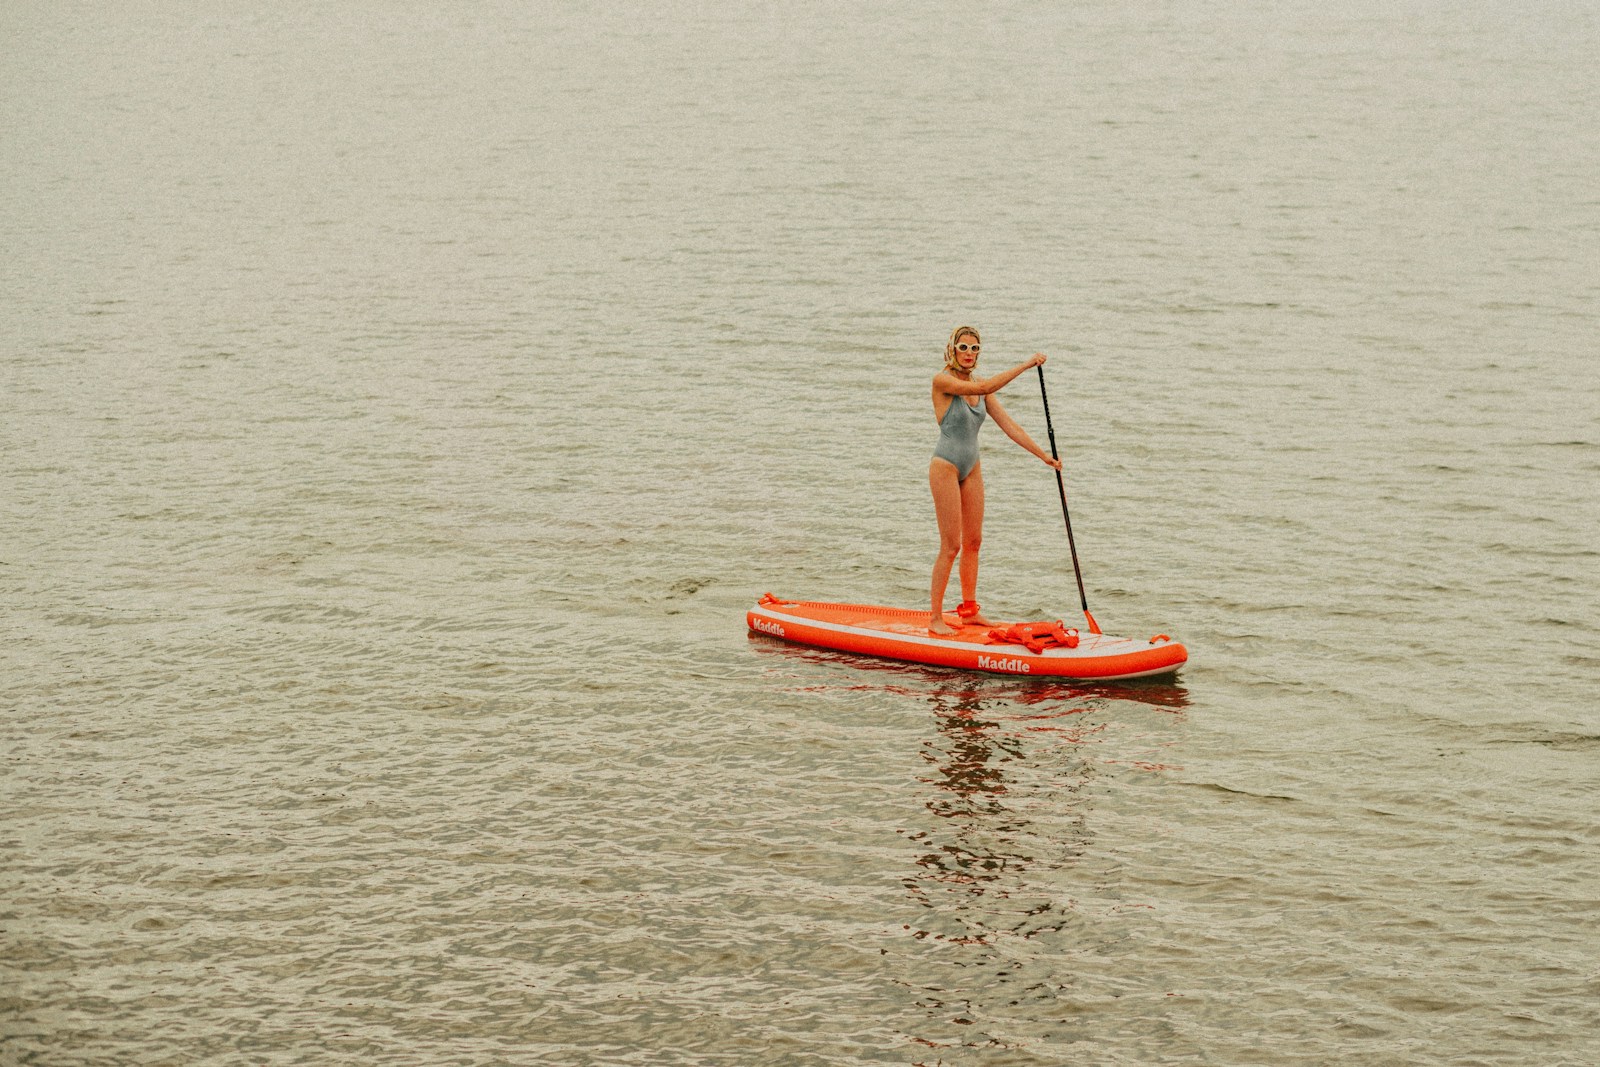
x=999, y=868
x=1014, y=887
x=983, y=846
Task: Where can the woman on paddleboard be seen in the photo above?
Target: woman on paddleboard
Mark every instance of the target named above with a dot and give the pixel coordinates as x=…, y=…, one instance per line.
x=955, y=475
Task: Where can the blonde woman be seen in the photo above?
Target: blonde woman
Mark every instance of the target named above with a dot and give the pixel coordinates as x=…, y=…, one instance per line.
x=960, y=403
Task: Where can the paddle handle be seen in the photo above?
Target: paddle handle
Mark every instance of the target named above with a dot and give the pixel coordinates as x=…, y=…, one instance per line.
x=1061, y=488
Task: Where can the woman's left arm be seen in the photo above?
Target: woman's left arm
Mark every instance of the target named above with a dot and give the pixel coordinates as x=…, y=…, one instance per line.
x=1004, y=420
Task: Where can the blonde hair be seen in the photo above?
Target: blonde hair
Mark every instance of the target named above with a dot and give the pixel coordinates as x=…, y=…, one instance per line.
x=957, y=334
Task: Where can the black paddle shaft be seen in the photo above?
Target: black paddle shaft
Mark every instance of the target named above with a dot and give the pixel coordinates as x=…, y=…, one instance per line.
x=1061, y=488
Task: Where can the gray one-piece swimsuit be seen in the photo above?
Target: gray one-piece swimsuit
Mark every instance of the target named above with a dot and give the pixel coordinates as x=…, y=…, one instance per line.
x=958, y=434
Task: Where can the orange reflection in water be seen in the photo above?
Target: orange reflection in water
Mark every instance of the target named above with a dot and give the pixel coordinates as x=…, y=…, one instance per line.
x=1004, y=874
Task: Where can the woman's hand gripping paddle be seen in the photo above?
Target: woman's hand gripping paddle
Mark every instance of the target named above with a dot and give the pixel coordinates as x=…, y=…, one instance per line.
x=1061, y=488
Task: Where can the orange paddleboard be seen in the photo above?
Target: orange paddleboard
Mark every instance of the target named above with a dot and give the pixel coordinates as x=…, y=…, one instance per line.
x=900, y=633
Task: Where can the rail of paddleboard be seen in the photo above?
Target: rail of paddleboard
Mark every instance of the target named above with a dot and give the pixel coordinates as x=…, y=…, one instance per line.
x=1089, y=660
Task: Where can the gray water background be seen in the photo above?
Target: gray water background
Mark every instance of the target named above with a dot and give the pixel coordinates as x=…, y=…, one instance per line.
x=402, y=404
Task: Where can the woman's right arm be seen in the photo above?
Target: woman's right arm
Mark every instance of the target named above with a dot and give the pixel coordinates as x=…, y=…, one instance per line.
x=946, y=382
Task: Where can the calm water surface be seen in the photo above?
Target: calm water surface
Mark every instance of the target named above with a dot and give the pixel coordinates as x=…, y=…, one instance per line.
x=401, y=406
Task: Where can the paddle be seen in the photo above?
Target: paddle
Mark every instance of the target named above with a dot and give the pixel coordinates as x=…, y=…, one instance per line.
x=1061, y=488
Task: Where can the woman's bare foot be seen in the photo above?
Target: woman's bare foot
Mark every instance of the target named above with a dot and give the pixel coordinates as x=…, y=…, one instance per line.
x=976, y=620
x=937, y=625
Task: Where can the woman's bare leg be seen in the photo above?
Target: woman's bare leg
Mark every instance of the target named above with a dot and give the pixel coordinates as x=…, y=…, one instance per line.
x=972, y=538
x=947, y=506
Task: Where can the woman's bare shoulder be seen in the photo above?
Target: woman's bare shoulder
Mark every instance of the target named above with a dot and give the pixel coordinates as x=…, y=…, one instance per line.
x=949, y=384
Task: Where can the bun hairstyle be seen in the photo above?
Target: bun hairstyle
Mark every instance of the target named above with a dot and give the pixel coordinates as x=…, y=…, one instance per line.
x=957, y=334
